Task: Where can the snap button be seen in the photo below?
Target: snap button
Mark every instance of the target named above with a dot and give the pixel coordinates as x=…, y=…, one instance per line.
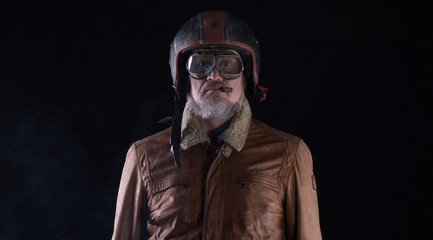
x=227, y=151
x=243, y=185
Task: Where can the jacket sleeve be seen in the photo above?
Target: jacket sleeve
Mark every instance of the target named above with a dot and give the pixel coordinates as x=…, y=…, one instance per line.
x=302, y=210
x=130, y=200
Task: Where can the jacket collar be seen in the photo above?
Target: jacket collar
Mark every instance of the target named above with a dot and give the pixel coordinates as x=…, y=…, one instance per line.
x=236, y=135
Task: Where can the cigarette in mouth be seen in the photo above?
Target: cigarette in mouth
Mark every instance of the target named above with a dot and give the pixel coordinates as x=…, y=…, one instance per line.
x=226, y=89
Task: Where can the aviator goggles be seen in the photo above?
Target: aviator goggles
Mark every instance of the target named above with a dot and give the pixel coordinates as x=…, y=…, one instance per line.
x=200, y=65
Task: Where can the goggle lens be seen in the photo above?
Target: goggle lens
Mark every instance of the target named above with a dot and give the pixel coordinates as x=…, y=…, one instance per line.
x=200, y=66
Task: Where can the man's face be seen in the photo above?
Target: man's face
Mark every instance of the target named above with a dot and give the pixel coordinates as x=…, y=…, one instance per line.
x=209, y=88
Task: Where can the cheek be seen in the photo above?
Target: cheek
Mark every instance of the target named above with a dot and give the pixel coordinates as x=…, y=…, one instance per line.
x=194, y=89
x=237, y=91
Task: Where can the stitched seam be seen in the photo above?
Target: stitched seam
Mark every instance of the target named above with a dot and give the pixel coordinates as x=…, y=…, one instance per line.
x=138, y=164
x=147, y=169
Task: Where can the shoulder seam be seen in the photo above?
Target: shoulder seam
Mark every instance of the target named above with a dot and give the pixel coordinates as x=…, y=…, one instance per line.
x=151, y=137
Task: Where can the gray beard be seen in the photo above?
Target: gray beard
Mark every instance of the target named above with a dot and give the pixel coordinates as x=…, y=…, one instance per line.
x=214, y=107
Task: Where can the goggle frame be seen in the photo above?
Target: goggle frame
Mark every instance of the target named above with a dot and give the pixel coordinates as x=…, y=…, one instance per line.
x=205, y=74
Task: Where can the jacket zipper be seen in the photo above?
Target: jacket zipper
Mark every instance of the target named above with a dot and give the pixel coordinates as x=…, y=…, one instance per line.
x=218, y=155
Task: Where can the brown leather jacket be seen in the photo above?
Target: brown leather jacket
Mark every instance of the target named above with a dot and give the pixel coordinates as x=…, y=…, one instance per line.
x=261, y=187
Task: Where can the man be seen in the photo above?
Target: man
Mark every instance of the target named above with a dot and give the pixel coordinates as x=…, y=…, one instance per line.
x=217, y=174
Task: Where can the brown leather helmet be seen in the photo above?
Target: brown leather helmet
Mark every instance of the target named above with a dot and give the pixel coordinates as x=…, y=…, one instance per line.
x=215, y=29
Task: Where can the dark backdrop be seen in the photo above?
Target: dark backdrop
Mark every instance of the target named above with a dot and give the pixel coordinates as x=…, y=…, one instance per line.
x=81, y=80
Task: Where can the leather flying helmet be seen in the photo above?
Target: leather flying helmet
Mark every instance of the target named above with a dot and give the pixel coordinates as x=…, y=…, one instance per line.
x=215, y=29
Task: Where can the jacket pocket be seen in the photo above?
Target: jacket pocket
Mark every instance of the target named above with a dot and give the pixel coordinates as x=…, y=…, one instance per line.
x=164, y=184
x=258, y=211
x=170, y=205
x=263, y=181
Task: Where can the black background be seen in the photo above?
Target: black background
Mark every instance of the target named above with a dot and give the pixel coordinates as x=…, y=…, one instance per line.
x=81, y=80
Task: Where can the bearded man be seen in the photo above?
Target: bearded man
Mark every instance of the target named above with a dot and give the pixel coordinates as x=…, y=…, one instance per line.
x=217, y=173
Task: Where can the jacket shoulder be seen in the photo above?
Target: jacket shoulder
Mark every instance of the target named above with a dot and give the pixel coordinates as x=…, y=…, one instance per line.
x=155, y=141
x=272, y=142
x=164, y=134
x=259, y=129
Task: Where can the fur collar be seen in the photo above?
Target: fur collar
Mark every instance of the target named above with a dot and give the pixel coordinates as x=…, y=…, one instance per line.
x=235, y=135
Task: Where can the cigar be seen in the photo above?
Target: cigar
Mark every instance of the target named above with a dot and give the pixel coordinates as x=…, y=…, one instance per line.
x=226, y=89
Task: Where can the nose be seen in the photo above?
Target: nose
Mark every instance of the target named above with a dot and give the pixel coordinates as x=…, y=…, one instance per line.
x=214, y=76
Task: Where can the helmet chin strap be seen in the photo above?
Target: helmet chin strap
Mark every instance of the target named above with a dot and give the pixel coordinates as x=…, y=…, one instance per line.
x=175, y=131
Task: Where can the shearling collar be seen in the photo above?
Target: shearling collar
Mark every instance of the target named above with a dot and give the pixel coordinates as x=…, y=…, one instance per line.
x=236, y=135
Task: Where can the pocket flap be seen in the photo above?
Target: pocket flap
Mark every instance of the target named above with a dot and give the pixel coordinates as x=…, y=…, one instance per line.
x=164, y=184
x=264, y=181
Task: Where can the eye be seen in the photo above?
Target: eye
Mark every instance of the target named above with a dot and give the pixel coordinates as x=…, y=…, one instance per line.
x=201, y=65
x=204, y=62
x=226, y=64
x=229, y=65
